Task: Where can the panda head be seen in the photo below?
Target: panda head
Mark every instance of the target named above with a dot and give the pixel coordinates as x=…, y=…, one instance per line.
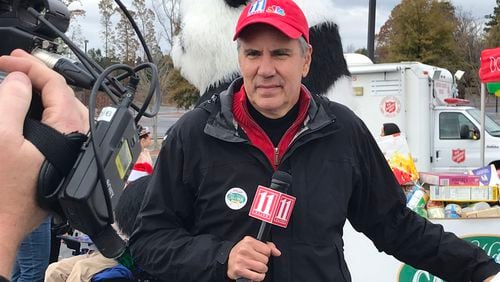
x=206, y=55
x=204, y=51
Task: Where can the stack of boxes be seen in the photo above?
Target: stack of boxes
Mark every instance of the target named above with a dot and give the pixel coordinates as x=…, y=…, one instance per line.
x=455, y=195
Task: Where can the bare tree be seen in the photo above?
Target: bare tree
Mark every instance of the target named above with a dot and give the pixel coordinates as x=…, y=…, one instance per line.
x=468, y=35
x=75, y=11
x=350, y=48
x=74, y=31
x=145, y=18
x=175, y=88
x=168, y=13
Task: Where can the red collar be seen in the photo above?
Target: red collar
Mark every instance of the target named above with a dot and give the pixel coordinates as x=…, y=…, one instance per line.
x=257, y=136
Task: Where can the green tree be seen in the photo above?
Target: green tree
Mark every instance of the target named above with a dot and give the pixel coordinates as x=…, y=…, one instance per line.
x=74, y=32
x=98, y=57
x=382, y=41
x=362, y=51
x=175, y=89
x=181, y=92
x=420, y=30
x=492, y=28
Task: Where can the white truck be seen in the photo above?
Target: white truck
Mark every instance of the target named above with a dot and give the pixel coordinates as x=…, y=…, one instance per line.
x=442, y=131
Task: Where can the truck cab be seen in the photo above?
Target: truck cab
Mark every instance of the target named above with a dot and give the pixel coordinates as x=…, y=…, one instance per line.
x=457, y=139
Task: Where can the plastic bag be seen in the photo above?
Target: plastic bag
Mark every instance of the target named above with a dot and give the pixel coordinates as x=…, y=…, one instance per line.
x=397, y=153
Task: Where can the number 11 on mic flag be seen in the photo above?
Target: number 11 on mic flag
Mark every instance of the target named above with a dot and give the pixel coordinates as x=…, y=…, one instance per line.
x=272, y=206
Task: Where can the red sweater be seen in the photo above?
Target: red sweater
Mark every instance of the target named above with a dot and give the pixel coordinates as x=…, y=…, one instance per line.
x=257, y=136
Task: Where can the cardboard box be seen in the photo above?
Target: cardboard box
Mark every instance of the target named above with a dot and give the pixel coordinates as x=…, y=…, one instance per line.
x=491, y=212
x=447, y=179
x=464, y=193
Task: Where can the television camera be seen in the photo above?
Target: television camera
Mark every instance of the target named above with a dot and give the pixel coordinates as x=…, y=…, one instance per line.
x=82, y=179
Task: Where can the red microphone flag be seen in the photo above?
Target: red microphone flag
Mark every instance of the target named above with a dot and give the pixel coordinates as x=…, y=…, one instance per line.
x=272, y=206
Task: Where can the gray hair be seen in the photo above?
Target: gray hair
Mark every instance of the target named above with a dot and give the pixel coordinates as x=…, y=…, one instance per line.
x=302, y=42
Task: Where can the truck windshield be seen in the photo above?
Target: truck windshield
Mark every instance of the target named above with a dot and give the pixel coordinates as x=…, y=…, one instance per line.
x=491, y=126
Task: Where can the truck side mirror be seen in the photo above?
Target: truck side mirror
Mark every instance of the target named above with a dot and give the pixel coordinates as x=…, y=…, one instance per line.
x=465, y=132
x=475, y=134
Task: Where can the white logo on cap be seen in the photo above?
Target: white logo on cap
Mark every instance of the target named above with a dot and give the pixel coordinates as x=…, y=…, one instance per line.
x=236, y=198
x=258, y=6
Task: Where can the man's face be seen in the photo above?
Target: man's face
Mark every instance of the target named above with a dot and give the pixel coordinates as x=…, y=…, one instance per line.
x=272, y=66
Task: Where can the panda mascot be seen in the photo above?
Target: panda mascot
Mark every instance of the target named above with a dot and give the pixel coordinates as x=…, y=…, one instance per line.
x=206, y=54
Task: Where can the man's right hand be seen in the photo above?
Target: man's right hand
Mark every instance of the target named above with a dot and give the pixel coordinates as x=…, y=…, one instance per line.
x=249, y=258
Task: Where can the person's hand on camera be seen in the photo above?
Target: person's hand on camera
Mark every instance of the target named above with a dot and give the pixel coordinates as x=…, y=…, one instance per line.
x=21, y=160
x=249, y=258
x=493, y=278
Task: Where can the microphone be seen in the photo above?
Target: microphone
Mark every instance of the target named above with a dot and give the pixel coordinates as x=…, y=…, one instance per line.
x=72, y=71
x=280, y=182
x=264, y=202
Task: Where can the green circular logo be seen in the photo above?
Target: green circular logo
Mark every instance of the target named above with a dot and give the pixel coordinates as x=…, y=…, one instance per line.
x=236, y=198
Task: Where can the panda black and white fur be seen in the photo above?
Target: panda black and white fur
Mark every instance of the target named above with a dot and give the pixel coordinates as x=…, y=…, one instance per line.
x=206, y=55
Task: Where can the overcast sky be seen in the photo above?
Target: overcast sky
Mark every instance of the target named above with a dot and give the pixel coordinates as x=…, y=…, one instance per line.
x=352, y=18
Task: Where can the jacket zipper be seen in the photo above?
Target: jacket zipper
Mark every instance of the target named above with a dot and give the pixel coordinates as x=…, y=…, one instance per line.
x=299, y=131
x=293, y=141
x=276, y=157
x=300, y=134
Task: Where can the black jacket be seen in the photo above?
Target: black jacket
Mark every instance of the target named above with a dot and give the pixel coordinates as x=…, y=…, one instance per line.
x=185, y=230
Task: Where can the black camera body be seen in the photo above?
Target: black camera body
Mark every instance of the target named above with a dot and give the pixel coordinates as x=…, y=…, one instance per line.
x=84, y=201
x=78, y=194
x=20, y=30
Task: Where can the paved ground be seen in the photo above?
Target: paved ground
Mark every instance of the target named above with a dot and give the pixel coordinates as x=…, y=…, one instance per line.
x=166, y=117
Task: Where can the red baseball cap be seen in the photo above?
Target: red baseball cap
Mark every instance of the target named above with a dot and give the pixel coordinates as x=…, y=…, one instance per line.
x=284, y=15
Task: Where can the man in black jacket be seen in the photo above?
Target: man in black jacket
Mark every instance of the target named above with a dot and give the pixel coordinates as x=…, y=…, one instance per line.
x=194, y=224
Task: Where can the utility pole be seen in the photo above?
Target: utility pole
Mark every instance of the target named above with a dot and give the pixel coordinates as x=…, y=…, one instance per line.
x=86, y=42
x=371, y=29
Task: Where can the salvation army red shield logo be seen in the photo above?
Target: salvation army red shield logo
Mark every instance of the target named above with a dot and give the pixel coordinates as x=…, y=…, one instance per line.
x=390, y=106
x=458, y=155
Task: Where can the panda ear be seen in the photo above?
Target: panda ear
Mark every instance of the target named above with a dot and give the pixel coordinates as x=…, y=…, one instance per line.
x=236, y=3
